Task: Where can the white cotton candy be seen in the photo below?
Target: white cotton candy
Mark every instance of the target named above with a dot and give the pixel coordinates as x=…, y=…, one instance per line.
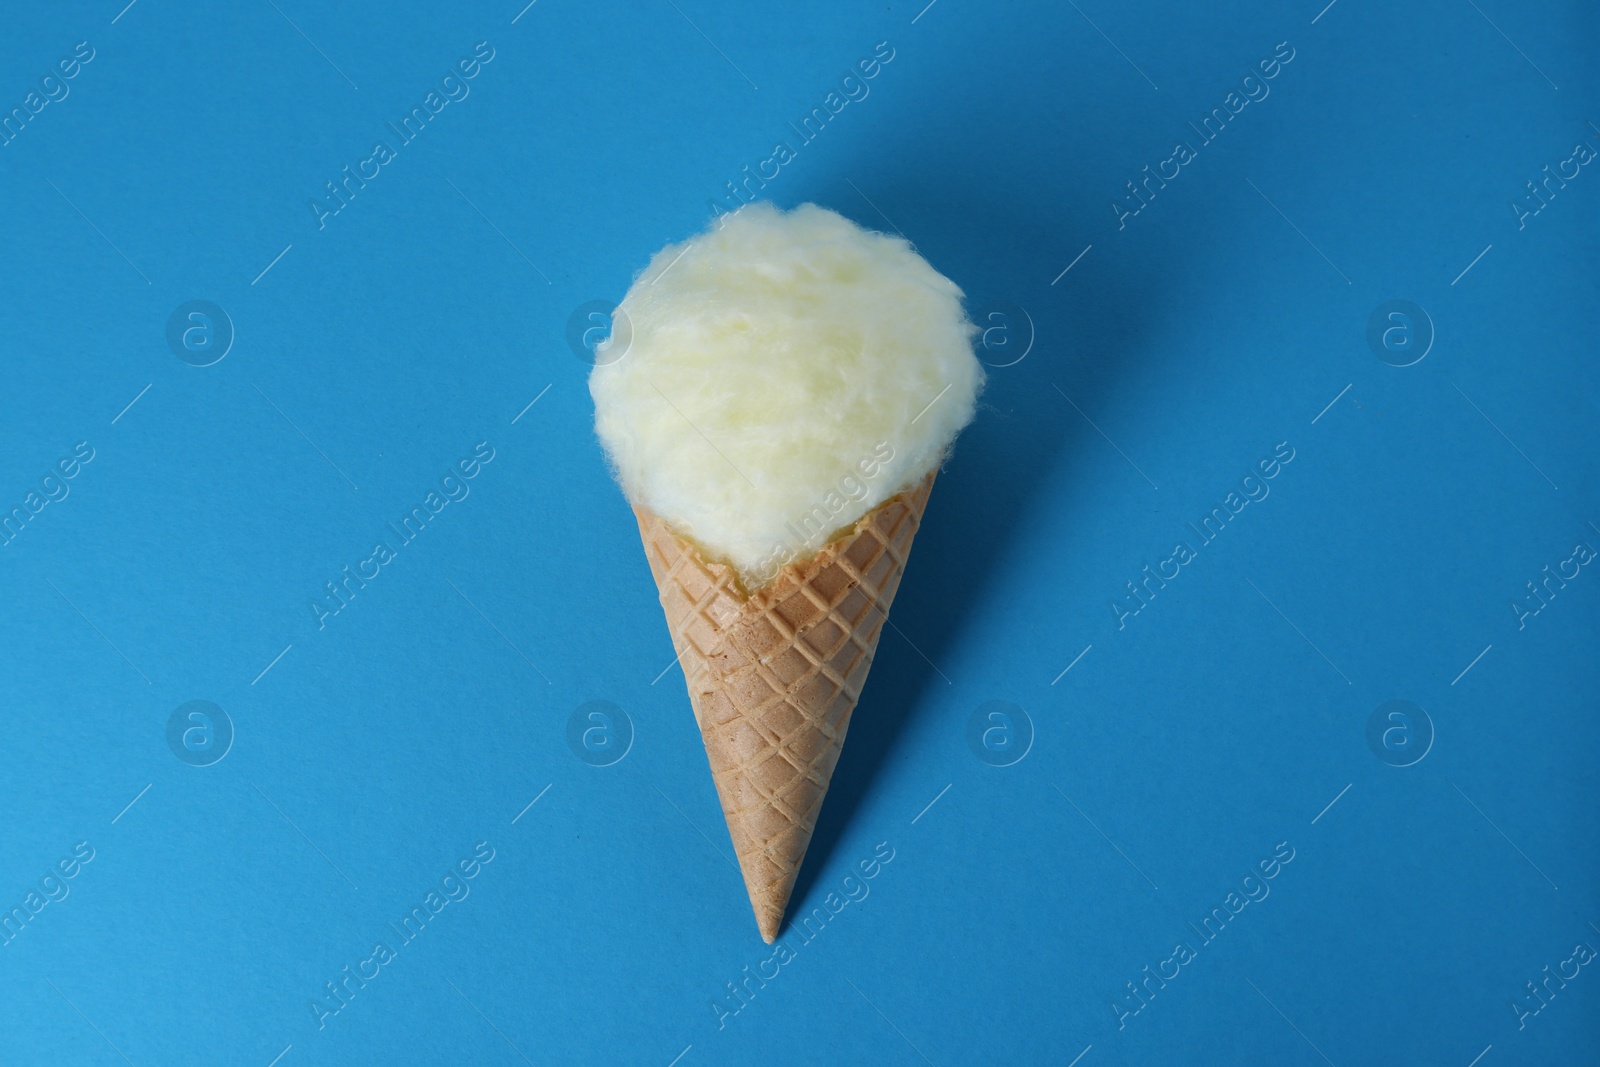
x=785, y=374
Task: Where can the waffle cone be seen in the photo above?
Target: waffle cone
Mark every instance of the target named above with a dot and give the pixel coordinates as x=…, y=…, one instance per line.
x=775, y=673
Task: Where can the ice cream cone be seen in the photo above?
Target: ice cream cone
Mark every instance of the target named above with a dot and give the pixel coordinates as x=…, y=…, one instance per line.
x=779, y=377
x=775, y=673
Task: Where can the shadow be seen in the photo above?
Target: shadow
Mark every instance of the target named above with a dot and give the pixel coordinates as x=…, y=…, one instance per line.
x=1026, y=435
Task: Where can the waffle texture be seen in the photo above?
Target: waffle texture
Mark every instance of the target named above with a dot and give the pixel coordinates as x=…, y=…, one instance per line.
x=775, y=673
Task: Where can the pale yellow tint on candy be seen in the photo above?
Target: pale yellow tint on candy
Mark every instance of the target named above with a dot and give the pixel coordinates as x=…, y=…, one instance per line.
x=773, y=360
x=792, y=385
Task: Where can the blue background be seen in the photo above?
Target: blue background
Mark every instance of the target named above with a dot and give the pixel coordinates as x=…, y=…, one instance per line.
x=1182, y=747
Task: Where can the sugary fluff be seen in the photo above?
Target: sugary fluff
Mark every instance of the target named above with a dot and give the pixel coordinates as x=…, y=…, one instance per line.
x=771, y=381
